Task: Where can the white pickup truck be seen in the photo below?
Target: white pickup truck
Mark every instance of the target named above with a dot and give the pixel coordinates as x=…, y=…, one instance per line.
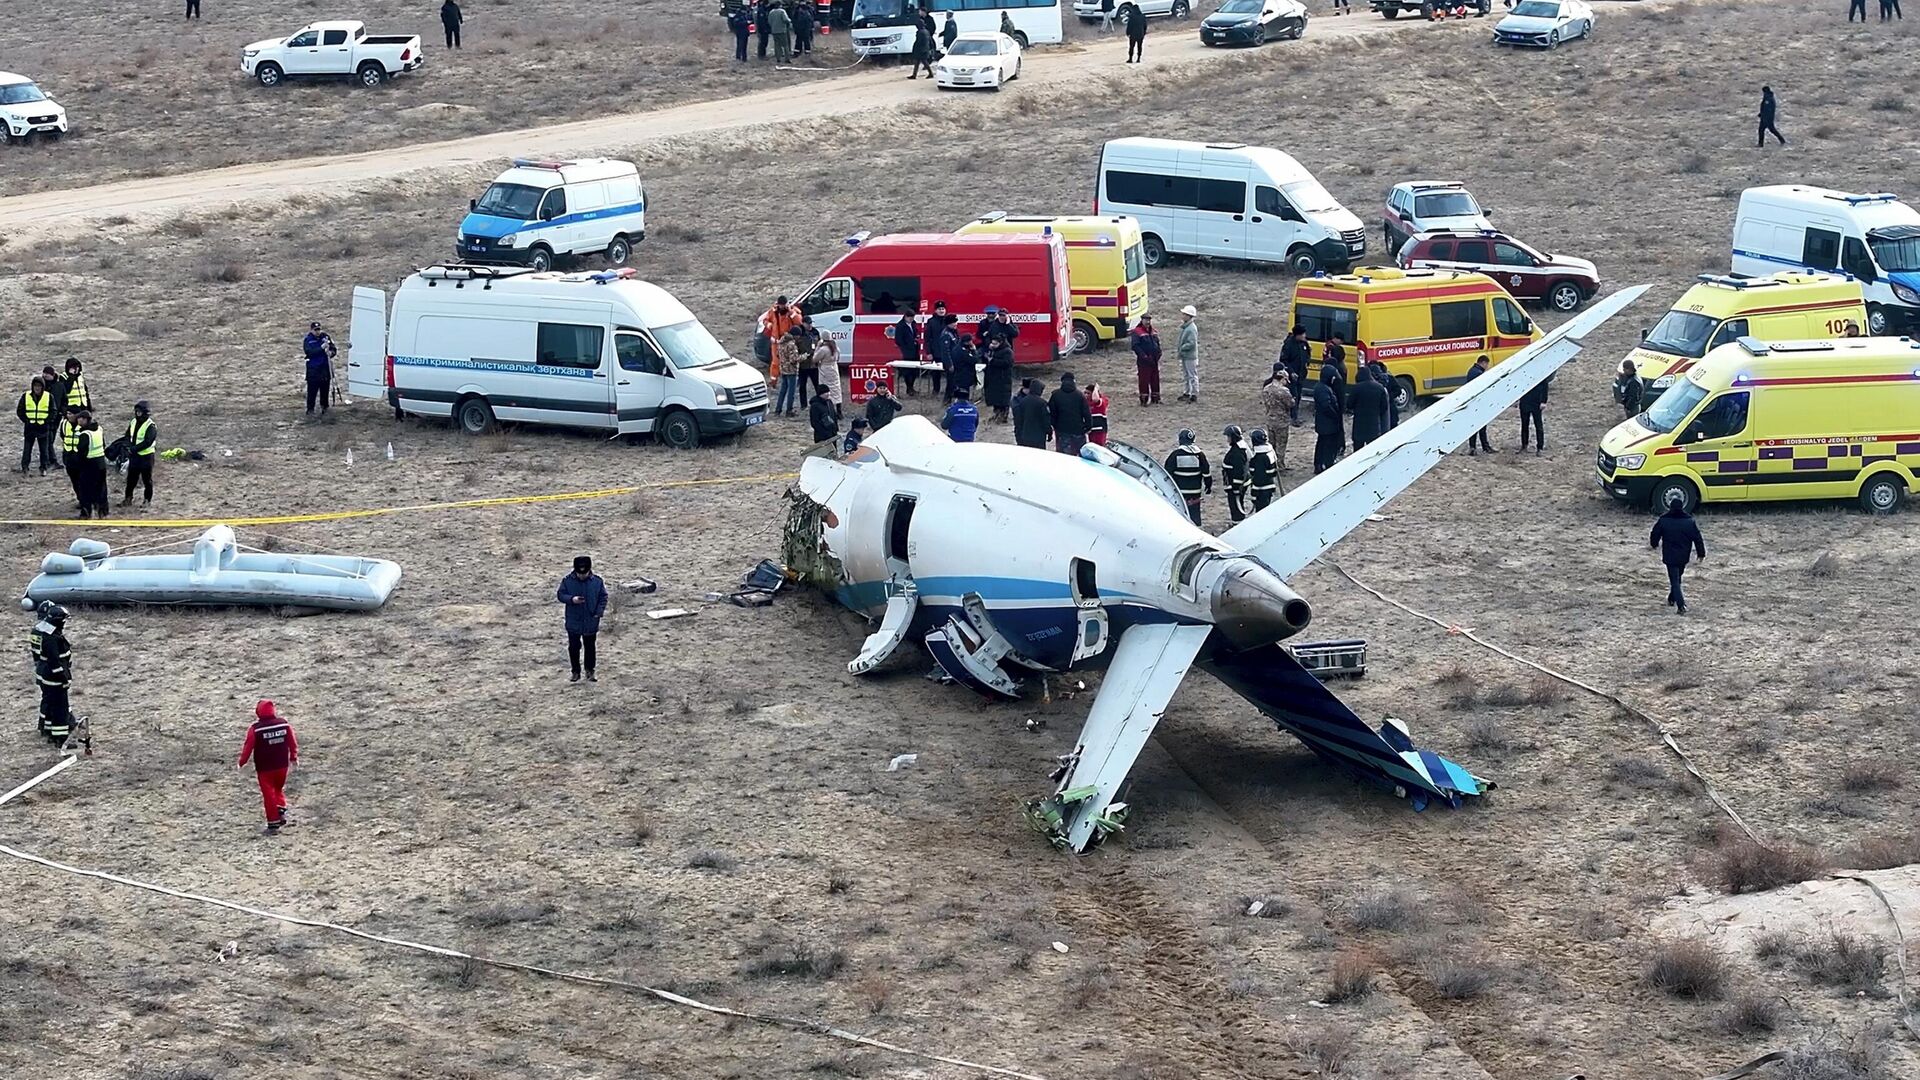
x=333, y=50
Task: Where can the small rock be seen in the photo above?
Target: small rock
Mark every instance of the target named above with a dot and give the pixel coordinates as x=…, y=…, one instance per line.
x=438, y=107
x=1060, y=947
x=902, y=761
x=86, y=334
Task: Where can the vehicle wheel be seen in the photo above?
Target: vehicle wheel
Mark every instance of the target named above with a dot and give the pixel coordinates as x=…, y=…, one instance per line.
x=1564, y=296
x=1390, y=12
x=1301, y=261
x=1883, y=494
x=6, y=136
x=1588, y=31
x=1020, y=38
x=1553, y=39
x=1386, y=236
x=1083, y=338
x=475, y=416
x=1426, y=10
x=679, y=431
x=540, y=259
x=1154, y=251
x=1664, y=490
x=1181, y=9
x=619, y=251
x=371, y=74
x=1403, y=394
x=1301, y=30
x=1259, y=35
x=1876, y=320
x=1087, y=20
x=269, y=74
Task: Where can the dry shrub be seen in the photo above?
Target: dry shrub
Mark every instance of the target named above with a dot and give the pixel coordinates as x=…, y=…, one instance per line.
x=1861, y=777
x=1387, y=909
x=226, y=271
x=799, y=959
x=1842, y=960
x=1327, y=1050
x=1453, y=675
x=1742, y=866
x=1864, y=1057
x=1457, y=980
x=712, y=860
x=1749, y=1014
x=1087, y=986
x=839, y=881
x=1825, y=566
x=1636, y=772
x=1886, y=852
x=1688, y=968
x=1888, y=103
x=188, y=227
x=1350, y=979
x=873, y=993
x=642, y=828
x=1484, y=733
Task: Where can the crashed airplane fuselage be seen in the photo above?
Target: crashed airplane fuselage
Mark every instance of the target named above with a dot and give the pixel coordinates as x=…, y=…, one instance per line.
x=1006, y=562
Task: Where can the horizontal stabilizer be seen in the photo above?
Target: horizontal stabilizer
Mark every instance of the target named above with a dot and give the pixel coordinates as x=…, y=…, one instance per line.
x=1271, y=678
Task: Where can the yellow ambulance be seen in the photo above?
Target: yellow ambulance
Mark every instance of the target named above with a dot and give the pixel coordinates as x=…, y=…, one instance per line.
x=1719, y=309
x=1427, y=326
x=1106, y=269
x=1756, y=420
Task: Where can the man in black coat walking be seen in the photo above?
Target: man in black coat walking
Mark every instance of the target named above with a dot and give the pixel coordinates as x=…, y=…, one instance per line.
x=1032, y=420
x=1767, y=109
x=1295, y=355
x=803, y=28
x=451, y=20
x=760, y=28
x=1067, y=409
x=1533, y=404
x=1677, y=536
x=1479, y=440
x=1328, y=426
x=1370, y=407
x=1136, y=34
x=998, y=391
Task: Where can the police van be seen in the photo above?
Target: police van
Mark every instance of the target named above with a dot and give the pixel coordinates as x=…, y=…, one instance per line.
x=539, y=211
x=604, y=350
x=1875, y=238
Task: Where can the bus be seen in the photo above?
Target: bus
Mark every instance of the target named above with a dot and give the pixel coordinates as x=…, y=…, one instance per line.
x=885, y=27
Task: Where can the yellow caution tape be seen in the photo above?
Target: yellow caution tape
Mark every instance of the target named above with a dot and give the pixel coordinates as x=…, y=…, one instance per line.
x=342, y=515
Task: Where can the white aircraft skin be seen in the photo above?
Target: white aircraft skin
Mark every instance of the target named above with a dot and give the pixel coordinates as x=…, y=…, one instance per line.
x=1008, y=560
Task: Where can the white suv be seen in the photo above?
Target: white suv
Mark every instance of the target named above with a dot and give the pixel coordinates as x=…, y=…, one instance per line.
x=25, y=110
x=1419, y=206
x=1089, y=10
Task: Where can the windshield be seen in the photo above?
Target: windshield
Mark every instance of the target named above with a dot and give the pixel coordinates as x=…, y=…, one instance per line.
x=1539, y=9
x=1308, y=197
x=1239, y=7
x=1681, y=333
x=517, y=201
x=973, y=48
x=1448, y=204
x=1673, y=406
x=1896, y=256
x=689, y=345
x=878, y=9
x=1136, y=263
x=20, y=94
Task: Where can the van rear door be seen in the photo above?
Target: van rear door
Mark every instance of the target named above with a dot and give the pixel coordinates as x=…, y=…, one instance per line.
x=367, y=345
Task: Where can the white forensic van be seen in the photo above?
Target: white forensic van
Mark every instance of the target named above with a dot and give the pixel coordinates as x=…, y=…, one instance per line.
x=1874, y=238
x=1226, y=200
x=538, y=211
x=591, y=350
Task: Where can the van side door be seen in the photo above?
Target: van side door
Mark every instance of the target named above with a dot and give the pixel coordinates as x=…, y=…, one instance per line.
x=830, y=305
x=1460, y=331
x=1821, y=248
x=1274, y=224
x=1718, y=443
x=592, y=228
x=1221, y=204
x=571, y=385
x=640, y=380
x=302, y=55
x=552, y=231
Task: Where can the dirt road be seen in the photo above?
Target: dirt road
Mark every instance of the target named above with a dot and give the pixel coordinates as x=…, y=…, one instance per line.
x=55, y=214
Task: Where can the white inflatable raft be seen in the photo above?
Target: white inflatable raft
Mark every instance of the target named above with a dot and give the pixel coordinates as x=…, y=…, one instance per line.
x=218, y=571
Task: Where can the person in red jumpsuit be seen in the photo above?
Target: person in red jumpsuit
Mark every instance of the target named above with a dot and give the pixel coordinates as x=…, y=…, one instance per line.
x=273, y=749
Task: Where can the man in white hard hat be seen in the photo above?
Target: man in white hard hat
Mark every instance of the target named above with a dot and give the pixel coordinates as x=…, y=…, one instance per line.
x=1189, y=349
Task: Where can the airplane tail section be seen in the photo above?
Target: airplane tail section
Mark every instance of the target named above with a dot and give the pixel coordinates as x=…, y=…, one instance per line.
x=1274, y=681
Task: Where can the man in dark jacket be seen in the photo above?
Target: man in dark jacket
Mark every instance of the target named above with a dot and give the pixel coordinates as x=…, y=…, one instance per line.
x=803, y=28
x=1627, y=389
x=1334, y=356
x=585, y=597
x=1533, y=404
x=1136, y=33
x=857, y=433
x=949, y=33
x=760, y=28
x=1295, y=356
x=996, y=326
x=1767, y=109
x=53, y=671
x=38, y=414
x=882, y=408
x=141, y=447
x=1385, y=378
x=964, y=371
x=741, y=23
x=962, y=418
x=922, y=50
x=906, y=338
x=1369, y=409
x=1479, y=440
x=320, y=351
x=1328, y=427
x=822, y=415
x=1032, y=422
x=1146, y=359
x=90, y=448
x=450, y=21
x=1236, y=472
x=998, y=391
x=1071, y=417
x=941, y=343
x=1677, y=536
x=1191, y=473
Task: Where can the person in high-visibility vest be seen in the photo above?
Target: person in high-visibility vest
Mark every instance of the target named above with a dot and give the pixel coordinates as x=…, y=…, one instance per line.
x=77, y=396
x=70, y=450
x=92, y=456
x=37, y=413
x=140, y=448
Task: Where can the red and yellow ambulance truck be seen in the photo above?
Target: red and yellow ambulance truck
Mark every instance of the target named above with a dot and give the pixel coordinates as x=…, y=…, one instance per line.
x=861, y=297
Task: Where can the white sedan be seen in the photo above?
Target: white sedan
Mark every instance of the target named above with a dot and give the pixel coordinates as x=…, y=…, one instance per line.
x=1544, y=23
x=978, y=59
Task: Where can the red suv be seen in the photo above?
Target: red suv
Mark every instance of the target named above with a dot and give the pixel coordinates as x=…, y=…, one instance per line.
x=1560, y=281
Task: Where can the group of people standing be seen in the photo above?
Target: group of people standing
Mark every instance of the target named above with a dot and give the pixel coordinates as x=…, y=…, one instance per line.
x=56, y=412
x=1145, y=341
x=788, y=25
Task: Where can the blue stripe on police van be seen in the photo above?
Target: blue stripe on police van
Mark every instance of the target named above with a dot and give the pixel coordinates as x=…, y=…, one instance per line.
x=511, y=367
x=566, y=219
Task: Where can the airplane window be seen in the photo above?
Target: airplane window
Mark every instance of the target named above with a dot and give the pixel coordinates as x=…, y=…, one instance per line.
x=1187, y=564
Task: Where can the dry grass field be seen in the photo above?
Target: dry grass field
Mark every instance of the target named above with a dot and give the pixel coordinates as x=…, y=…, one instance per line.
x=149, y=93
x=715, y=815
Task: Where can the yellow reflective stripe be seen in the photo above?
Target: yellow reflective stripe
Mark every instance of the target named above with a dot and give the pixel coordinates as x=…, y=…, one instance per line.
x=94, y=446
x=39, y=410
x=77, y=391
x=343, y=515
x=134, y=431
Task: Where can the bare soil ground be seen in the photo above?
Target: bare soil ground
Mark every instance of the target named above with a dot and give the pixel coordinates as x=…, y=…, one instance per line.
x=150, y=94
x=715, y=814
